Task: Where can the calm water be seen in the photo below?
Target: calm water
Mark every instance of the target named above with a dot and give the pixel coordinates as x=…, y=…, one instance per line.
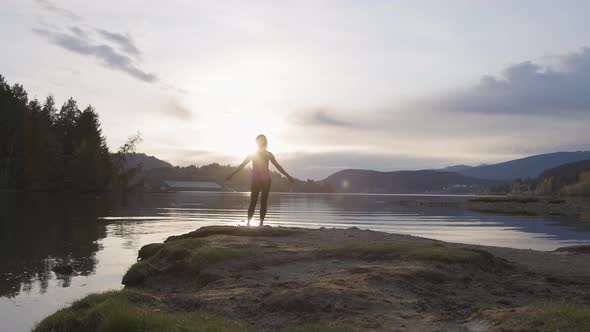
x=101, y=239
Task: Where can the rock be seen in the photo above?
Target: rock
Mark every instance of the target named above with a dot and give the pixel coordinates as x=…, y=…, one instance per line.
x=178, y=254
x=149, y=250
x=136, y=274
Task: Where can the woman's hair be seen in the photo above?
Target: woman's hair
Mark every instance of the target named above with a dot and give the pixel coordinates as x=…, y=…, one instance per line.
x=263, y=139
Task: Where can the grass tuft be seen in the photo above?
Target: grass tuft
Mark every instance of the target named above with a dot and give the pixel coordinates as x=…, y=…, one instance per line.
x=132, y=311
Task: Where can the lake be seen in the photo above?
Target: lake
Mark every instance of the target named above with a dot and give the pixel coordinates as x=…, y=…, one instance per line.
x=101, y=239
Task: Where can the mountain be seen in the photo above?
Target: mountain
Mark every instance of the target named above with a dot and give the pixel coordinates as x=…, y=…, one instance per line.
x=403, y=182
x=146, y=162
x=524, y=168
x=455, y=168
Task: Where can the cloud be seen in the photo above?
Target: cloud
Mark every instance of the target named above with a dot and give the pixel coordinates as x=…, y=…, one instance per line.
x=319, y=117
x=177, y=110
x=125, y=43
x=112, y=49
x=527, y=88
x=55, y=9
x=78, y=40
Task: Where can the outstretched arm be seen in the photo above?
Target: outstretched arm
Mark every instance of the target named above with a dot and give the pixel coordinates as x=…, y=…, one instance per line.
x=280, y=168
x=242, y=165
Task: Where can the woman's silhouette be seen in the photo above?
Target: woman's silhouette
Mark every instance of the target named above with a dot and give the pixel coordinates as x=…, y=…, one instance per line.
x=261, y=180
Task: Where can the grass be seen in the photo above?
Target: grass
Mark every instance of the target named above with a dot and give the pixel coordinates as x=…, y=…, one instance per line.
x=411, y=250
x=505, y=199
x=559, y=317
x=132, y=311
x=543, y=317
x=234, y=231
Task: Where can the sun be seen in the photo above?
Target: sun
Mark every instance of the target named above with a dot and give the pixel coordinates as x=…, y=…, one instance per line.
x=234, y=135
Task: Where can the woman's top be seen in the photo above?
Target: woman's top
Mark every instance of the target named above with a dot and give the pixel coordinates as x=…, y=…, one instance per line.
x=260, y=171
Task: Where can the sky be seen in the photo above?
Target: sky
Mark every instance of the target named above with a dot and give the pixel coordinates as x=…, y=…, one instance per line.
x=384, y=85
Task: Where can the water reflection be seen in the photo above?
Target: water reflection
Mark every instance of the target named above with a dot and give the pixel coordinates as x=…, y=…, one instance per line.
x=39, y=232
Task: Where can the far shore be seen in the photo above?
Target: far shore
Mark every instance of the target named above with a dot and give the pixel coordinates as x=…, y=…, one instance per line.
x=573, y=207
x=292, y=279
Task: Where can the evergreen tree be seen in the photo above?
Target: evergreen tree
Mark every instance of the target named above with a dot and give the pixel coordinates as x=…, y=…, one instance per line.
x=13, y=109
x=91, y=162
x=42, y=149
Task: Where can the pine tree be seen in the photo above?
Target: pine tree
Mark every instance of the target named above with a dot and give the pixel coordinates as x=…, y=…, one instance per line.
x=92, y=166
x=42, y=149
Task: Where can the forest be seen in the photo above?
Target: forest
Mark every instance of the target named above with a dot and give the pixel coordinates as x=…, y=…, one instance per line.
x=46, y=148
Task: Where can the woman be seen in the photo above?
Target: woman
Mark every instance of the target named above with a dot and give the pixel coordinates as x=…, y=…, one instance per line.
x=260, y=177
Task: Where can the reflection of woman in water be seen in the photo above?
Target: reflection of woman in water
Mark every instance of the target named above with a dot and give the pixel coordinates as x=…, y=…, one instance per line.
x=260, y=176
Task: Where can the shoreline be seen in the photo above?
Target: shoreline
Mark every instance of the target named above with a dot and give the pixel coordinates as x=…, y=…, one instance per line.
x=296, y=279
x=571, y=207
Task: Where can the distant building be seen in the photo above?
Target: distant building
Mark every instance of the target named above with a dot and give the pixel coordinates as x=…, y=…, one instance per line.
x=191, y=186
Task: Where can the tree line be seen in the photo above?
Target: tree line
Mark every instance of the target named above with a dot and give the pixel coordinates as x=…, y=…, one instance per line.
x=43, y=148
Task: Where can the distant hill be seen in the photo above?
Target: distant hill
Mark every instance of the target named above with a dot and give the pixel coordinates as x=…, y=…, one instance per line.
x=403, y=182
x=524, y=168
x=567, y=171
x=147, y=162
x=455, y=168
x=565, y=175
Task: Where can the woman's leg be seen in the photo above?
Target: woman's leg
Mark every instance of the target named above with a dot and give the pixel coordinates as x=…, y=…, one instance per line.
x=264, y=200
x=254, y=191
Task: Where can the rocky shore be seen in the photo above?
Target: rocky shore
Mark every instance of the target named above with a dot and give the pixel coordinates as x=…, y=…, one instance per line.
x=224, y=278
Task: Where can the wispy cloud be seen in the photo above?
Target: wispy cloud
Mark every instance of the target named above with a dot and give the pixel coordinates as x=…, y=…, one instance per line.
x=112, y=49
x=175, y=109
x=319, y=117
x=55, y=9
x=79, y=41
x=125, y=42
